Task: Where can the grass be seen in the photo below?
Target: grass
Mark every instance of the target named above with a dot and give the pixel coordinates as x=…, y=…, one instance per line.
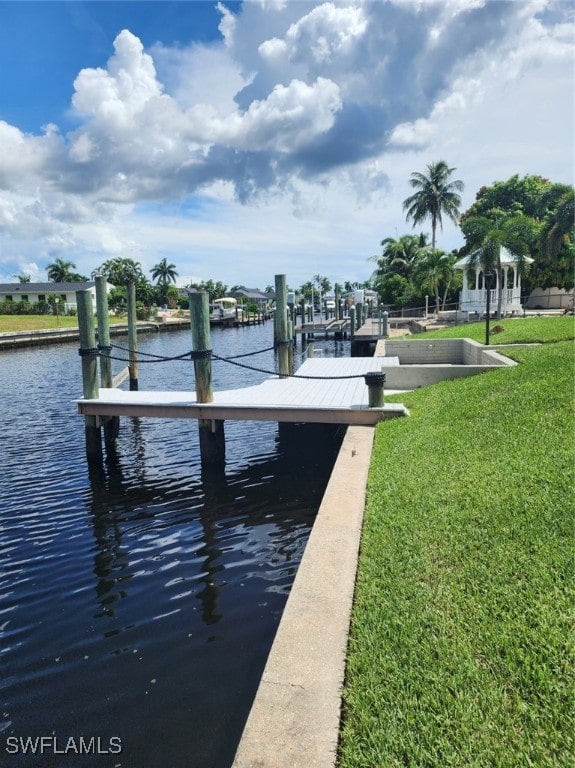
x=14, y=323
x=460, y=650
x=516, y=330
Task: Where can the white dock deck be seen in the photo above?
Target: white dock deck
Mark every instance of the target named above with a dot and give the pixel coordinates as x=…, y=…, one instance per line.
x=336, y=401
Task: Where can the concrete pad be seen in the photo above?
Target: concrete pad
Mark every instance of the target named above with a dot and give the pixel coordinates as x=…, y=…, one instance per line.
x=294, y=721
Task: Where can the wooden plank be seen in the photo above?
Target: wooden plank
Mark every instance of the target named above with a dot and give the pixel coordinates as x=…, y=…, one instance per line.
x=120, y=377
x=322, y=398
x=213, y=411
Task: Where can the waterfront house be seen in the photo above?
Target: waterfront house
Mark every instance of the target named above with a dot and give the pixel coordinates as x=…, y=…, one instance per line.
x=40, y=292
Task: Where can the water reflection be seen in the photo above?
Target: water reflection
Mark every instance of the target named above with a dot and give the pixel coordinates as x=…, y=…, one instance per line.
x=139, y=597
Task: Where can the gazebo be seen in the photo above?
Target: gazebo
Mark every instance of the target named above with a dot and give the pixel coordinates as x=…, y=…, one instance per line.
x=473, y=296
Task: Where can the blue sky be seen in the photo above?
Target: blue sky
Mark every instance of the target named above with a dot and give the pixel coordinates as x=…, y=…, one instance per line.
x=242, y=140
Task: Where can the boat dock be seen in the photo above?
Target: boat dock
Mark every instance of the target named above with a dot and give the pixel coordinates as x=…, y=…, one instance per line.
x=323, y=391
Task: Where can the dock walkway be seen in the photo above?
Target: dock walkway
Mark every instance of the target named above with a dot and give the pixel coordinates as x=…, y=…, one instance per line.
x=321, y=399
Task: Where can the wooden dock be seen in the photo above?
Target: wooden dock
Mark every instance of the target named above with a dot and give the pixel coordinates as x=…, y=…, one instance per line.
x=325, y=399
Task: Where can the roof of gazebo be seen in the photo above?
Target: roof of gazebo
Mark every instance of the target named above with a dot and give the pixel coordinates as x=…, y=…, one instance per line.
x=506, y=258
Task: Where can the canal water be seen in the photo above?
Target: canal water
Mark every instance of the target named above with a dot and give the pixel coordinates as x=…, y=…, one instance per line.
x=139, y=600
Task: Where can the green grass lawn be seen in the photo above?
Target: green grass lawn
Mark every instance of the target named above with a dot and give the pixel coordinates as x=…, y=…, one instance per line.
x=13, y=323
x=516, y=330
x=461, y=644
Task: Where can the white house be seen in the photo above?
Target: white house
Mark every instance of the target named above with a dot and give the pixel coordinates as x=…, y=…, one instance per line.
x=35, y=292
x=473, y=297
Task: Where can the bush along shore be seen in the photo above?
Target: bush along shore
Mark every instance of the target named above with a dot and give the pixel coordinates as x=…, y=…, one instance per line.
x=460, y=650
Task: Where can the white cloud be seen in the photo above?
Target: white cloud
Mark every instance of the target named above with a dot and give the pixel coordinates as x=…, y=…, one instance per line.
x=227, y=24
x=313, y=115
x=326, y=32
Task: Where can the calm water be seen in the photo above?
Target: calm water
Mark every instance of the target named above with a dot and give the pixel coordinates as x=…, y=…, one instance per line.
x=138, y=601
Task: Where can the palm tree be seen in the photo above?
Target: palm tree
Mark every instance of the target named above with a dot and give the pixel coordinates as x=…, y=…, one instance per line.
x=558, y=231
x=60, y=271
x=164, y=274
x=400, y=255
x=435, y=195
x=433, y=272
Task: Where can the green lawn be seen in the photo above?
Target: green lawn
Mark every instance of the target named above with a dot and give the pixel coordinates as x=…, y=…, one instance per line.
x=13, y=323
x=516, y=330
x=461, y=644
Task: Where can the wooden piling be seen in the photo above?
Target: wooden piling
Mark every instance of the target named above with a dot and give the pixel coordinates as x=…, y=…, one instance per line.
x=89, y=354
x=282, y=341
x=132, y=336
x=211, y=432
x=112, y=424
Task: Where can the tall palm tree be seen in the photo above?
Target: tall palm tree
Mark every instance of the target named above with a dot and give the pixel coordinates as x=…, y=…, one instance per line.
x=435, y=195
x=60, y=271
x=164, y=274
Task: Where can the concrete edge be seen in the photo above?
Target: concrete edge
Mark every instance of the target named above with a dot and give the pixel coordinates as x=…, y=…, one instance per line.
x=295, y=718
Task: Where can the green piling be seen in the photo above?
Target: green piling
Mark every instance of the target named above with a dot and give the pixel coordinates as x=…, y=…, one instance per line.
x=211, y=431
x=89, y=354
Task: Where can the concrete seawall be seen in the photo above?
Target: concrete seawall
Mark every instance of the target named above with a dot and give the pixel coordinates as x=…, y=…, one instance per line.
x=295, y=717
x=17, y=339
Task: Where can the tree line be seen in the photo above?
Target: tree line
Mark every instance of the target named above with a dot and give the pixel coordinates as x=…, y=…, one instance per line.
x=531, y=217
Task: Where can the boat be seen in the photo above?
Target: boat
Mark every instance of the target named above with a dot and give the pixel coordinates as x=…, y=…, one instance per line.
x=225, y=310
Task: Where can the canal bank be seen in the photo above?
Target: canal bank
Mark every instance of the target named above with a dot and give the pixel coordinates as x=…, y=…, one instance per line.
x=44, y=337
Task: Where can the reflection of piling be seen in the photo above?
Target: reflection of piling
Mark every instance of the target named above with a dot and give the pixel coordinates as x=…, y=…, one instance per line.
x=282, y=340
x=211, y=431
x=111, y=424
x=132, y=336
x=89, y=354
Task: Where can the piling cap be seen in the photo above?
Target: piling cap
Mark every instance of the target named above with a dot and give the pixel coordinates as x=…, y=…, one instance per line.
x=374, y=378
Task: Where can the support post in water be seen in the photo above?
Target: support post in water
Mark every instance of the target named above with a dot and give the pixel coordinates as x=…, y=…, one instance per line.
x=375, y=381
x=89, y=354
x=112, y=424
x=211, y=431
x=132, y=336
x=282, y=341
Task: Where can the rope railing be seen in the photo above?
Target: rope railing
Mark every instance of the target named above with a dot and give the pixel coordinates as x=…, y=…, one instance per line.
x=189, y=355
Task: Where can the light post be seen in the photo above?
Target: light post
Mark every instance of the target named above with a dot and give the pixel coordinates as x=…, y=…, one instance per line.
x=56, y=302
x=487, y=279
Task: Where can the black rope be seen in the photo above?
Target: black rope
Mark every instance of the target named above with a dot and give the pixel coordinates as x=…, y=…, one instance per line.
x=287, y=375
x=201, y=354
x=230, y=360
x=88, y=352
x=158, y=358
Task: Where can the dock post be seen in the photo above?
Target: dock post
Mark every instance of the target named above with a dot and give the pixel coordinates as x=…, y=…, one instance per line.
x=384, y=318
x=375, y=381
x=132, y=336
x=303, y=319
x=292, y=319
x=211, y=431
x=282, y=340
x=112, y=424
x=352, y=321
x=89, y=354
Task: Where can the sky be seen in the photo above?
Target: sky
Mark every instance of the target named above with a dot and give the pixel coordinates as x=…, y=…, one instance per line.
x=240, y=140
